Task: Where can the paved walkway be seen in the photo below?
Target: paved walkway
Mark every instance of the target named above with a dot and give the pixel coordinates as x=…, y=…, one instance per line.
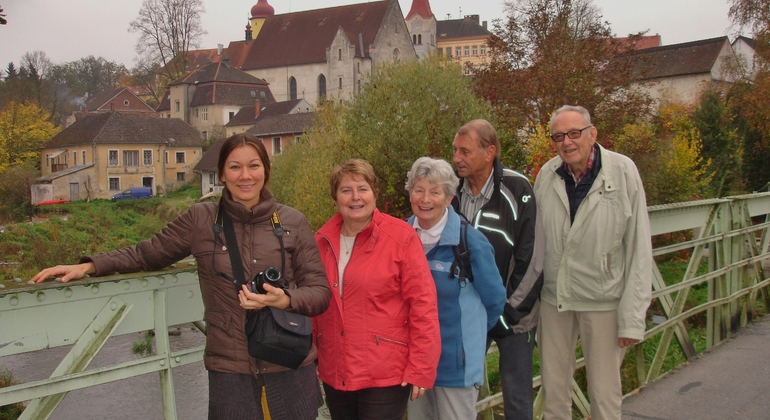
x=730, y=381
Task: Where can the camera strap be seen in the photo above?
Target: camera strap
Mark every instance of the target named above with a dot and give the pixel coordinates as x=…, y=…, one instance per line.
x=224, y=224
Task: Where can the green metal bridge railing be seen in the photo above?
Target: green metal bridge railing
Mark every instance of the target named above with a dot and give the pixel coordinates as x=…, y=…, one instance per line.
x=732, y=233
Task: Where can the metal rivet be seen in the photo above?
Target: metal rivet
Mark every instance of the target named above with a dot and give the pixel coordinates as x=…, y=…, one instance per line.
x=14, y=301
x=177, y=359
x=40, y=296
x=161, y=281
x=126, y=285
x=68, y=292
x=97, y=329
x=114, y=306
x=190, y=294
x=144, y=283
x=95, y=289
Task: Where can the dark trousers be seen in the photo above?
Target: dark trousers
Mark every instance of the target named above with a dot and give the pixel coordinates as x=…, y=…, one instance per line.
x=516, y=374
x=291, y=395
x=387, y=403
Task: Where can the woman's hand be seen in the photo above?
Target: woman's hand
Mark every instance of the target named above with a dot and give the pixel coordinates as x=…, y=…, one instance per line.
x=417, y=391
x=274, y=297
x=66, y=272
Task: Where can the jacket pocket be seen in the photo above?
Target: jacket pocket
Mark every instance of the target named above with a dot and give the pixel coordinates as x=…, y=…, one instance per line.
x=221, y=335
x=392, y=354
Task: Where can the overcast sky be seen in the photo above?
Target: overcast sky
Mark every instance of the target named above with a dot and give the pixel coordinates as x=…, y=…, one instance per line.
x=73, y=29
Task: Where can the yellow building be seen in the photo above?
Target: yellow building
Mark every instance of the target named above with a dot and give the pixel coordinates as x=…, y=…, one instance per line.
x=464, y=40
x=102, y=154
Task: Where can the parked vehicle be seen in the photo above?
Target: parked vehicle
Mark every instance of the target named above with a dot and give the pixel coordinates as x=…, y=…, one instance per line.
x=133, y=193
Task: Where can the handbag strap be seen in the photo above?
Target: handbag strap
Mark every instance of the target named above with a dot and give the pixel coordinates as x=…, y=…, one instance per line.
x=224, y=223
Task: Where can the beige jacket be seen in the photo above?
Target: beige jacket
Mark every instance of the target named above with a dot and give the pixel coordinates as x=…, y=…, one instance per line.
x=604, y=260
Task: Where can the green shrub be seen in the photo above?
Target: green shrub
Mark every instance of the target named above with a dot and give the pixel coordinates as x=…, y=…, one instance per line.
x=11, y=411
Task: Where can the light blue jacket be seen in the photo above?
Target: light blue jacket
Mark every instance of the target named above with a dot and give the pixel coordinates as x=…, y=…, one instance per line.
x=465, y=312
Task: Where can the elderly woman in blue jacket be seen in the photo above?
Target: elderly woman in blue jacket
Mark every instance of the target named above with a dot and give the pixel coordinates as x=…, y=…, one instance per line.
x=467, y=307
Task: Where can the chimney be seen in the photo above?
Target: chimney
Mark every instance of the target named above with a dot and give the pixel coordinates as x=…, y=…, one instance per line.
x=220, y=47
x=484, y=24
x=257, y=108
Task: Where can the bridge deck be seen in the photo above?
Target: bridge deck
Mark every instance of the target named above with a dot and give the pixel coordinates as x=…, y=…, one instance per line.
x=730, y=381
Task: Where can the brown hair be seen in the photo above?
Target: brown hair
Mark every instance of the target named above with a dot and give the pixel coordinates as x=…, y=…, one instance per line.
x=485, y=134
x=353, y=167
x=240, y=140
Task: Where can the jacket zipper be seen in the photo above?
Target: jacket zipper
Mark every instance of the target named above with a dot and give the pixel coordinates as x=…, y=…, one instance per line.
x=377, y=339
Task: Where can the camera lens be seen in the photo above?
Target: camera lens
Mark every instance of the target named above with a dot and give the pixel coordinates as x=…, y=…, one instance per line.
x=273, y=274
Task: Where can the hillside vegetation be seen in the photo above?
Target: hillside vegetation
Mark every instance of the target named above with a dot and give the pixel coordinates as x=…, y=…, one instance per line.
x=62, y=234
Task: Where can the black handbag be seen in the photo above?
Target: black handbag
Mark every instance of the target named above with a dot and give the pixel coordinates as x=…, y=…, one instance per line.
x=279, y=336
x=274, y=335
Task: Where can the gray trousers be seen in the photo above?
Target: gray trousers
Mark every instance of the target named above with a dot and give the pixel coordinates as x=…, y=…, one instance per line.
x=441, y=403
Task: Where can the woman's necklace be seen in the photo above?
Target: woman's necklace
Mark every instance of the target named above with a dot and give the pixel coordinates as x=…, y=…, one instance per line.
x=347, y=243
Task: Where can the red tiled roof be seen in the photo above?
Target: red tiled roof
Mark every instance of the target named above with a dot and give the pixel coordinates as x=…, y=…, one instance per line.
x=420, y=7
x=247, y=114
x=303, y=37
x=459, y=28
x=679, y=59
x=282, y=124
x=99, y=100
x=230, y=94
x=642, y=42
x=218, y=72
x=120, y=128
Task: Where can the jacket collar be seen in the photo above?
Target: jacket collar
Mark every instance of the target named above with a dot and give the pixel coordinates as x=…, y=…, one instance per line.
x=451, y=233
x=237, y=211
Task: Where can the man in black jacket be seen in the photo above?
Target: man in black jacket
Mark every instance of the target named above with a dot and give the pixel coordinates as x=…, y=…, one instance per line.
x=500, y=203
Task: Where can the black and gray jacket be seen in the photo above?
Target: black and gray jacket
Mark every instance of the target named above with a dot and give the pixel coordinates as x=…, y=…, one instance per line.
x=511, y=223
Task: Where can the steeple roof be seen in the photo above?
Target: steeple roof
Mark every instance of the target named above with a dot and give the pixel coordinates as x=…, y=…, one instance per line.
x=262, y=9
x=420, y=7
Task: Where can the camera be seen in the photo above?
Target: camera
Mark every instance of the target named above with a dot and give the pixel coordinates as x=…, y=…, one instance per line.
x=270, y=275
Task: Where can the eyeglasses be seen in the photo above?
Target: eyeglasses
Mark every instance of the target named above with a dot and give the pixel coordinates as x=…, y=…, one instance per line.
x=573, y=134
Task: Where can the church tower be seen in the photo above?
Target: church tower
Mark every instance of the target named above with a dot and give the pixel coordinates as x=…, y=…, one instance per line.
x=259, y=12
x=422, y=27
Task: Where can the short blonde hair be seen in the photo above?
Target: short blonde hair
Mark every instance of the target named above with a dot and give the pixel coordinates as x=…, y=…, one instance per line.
x=353, y=167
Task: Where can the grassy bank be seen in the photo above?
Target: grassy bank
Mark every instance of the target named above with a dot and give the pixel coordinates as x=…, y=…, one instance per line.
x=62, y=234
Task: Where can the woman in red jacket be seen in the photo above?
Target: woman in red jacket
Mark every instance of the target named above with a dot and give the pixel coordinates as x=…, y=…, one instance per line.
x=380, y=334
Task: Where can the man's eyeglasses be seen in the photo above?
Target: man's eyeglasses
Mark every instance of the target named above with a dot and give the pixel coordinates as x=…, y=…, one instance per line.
x=573, y=134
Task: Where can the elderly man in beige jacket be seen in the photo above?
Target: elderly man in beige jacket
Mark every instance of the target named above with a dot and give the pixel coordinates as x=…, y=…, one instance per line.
x=598, y=261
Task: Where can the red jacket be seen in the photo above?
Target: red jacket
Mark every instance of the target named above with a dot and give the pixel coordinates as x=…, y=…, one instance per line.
x=388, y=332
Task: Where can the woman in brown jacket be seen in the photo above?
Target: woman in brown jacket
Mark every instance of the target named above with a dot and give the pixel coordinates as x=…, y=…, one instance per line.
x=235, y=378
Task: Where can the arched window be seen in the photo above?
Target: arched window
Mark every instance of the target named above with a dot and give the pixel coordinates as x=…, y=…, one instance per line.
x=292, y=88
x=414, y=39
x=419, y=39
x=321, y=87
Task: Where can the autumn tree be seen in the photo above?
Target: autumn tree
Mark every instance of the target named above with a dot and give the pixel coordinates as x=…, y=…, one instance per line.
x=168, y=29
x=407, y=109
x=24, y=129
x=88, y=76
x=721, y=144
x=667, y=151
x=300, y=175
x=548, y=53
x=748, y=99
x=15, y=188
